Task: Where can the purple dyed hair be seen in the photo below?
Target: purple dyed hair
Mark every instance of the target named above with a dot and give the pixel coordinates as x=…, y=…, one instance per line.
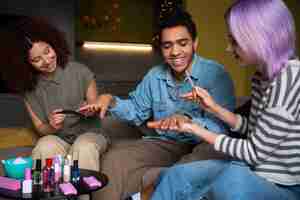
x=264, y=30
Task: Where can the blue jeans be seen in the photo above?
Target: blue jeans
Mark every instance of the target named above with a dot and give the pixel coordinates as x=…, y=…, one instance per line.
x=221, y=180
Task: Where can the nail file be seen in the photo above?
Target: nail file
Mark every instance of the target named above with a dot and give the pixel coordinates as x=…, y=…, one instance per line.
x=188, y=76
x=68, y=189
x=92, y=182
x=72, y=112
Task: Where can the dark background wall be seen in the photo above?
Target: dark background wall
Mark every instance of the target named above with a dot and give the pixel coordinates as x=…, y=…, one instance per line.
x=117, y=72
x=114, y=20
x=59, y=12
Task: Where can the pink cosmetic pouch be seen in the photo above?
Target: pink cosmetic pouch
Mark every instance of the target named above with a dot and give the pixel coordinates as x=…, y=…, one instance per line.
x=67, y=189
x=92, y=182
x=9, y=183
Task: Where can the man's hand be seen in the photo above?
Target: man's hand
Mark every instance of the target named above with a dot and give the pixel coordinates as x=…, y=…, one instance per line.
x=104, y=101
x=56, y=119
x=178, y=123
x=173, y=122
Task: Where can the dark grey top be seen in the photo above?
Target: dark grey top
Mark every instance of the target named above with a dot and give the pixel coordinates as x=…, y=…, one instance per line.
x=67, y=90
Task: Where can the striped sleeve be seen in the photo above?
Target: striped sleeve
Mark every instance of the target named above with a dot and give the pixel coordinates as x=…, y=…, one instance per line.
x=275, y=131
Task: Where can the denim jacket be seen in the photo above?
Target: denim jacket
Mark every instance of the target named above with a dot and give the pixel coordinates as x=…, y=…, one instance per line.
x=157, y=96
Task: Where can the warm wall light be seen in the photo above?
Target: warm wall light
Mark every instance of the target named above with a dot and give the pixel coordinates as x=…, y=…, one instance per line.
x=117, y=46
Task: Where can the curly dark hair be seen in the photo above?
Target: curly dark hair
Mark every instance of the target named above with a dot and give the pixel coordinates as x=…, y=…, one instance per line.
x=18, y=73
x=176, y=17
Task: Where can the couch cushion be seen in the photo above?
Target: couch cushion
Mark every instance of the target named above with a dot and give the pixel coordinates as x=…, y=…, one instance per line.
x=118, y=130
x=14, y=113
x=17, y=137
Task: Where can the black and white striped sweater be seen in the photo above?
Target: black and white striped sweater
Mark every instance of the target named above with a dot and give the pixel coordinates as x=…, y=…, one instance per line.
x=272, y=146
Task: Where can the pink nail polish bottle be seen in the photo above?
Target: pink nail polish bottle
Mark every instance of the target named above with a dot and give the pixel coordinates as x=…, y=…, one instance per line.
x=27, y=183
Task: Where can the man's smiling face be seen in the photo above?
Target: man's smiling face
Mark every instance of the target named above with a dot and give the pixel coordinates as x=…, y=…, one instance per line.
x=178, y=48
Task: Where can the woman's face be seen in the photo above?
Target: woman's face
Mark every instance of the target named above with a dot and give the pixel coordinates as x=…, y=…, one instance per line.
x=238, y=53
x=42, y=57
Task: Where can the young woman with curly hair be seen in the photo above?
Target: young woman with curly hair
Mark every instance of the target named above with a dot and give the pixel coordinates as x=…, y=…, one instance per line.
x=38, y=68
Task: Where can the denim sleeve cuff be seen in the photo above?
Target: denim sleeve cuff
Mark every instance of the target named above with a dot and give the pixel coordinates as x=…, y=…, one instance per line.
x=117, y=105
x=218, y=141
x=111, y=109
x=199, y=122
x=125, y=111
x=238, y=124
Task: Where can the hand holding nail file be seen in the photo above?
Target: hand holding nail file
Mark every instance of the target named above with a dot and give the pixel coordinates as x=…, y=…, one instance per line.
x=72, y=112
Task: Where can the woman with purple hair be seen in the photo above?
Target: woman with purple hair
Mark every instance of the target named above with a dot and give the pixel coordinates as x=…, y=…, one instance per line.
x=266, y=162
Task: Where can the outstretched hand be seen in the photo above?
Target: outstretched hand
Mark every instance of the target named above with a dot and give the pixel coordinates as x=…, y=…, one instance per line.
x=101, y=106
x=182, y=124
x=177, y=122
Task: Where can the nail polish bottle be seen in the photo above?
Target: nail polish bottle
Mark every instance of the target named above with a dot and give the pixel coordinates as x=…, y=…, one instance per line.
x=67, y=169
x=37, y=172
x=48, y=175
x=27, y=183
x=57, y=170
x=75, y=172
